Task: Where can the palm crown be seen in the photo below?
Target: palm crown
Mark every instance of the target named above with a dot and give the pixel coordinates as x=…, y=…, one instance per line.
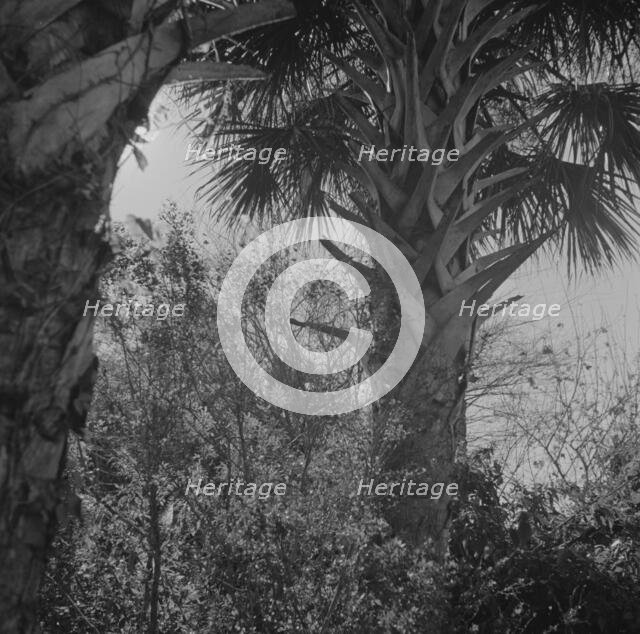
x=539, y=98
x=539, y=101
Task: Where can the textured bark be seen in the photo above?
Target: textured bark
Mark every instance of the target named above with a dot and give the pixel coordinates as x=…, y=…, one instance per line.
x=432, y=404
x=428, y=409
x=155, y=550
x=52, y=249
x=424, y=89
x=76, y=78
x=51, y=258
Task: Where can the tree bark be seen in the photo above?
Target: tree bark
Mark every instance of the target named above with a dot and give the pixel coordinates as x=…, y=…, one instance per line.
x=427, y=411
x=434, y=433
x=426, y=95
x=51, y=258
x=76, y=78
x=155, y=548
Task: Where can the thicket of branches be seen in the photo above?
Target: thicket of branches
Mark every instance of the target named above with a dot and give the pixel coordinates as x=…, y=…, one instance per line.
x=556, y=554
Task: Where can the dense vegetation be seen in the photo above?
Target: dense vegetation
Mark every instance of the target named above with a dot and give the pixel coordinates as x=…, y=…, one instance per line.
x=539, y=102
x=136, y=554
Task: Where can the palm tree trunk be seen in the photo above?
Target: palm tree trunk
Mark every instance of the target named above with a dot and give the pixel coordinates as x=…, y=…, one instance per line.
x=426, y=96
x=76, y=78
x=434, y=433
x=424, y=419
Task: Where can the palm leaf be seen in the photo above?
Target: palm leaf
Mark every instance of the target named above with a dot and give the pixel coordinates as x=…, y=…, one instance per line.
x=316, y=146
x=597, y=125
x=596, y=219
x=589, y=34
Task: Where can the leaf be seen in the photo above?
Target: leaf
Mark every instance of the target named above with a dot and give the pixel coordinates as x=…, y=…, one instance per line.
x=141, y=159
x=450, y=23
x=483, y=284
x=464, y=227
x=488, y=30
x=390, y=47
x=217, y=24
x=369, y=132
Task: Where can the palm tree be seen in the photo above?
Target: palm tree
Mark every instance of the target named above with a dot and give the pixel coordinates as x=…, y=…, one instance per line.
x=539, y=101
x=76, y=79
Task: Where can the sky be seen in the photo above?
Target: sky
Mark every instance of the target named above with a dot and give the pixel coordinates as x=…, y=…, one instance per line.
x=611, y=299
x=167, y=176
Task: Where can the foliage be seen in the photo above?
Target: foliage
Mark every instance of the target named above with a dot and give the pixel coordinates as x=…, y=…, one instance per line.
x=146, y=554
x=557, y=78
x=572, y=571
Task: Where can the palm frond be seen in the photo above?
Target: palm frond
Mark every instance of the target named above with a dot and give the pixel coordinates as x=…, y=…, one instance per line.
x=315, y=138
x=593, y=35
x=290, y=54
x=578, y=166
x=597, y=124
x=582, y=174
x=596, y=220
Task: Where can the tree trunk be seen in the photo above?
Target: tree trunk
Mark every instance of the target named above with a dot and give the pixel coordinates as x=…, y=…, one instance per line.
x=422, y=89
x=76, y=78
x=427, y=411
x=432, y=406
x=51, y=256
x=155, y=548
